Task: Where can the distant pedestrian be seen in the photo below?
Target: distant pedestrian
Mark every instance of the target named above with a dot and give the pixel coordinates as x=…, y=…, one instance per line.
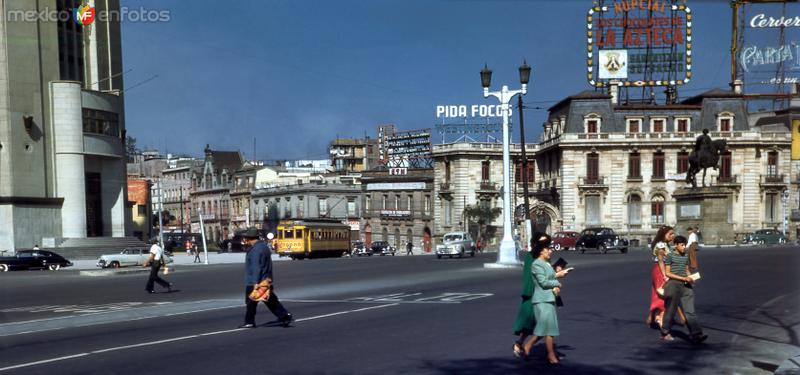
x=678, y=292
x=188, y=246
x=523, y=326
x=691, y=245
x=258, y=270
x=196, y=251
x=155, y=262
x=409, y=248
x=545, y=290
x=479, y=244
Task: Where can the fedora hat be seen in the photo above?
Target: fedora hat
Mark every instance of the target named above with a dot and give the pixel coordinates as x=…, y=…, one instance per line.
x=251, y=232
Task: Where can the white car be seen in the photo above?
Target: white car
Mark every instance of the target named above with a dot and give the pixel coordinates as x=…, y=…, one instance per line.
x=127, y=257
x=456, y=243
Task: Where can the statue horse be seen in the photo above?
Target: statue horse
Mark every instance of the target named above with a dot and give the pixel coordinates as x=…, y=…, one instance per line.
x=705, y=158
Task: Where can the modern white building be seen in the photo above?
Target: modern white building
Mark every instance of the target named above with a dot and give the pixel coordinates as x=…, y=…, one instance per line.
x=62, y=126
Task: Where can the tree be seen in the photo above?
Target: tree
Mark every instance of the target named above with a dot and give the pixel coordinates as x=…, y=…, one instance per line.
x=483, y=214
x=130, y=146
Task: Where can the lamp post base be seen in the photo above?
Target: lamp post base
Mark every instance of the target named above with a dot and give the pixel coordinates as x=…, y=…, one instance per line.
x=507, y=253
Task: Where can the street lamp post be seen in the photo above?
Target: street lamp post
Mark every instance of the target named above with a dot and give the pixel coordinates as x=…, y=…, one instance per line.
x=506, y=255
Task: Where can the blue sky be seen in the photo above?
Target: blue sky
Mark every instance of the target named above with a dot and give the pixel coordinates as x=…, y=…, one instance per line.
x=295, y=74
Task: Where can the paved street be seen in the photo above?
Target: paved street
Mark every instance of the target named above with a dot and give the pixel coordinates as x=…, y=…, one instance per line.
x=397, y=315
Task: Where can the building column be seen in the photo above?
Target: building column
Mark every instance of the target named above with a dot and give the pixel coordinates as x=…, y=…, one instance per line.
x=113, y=197
x=67, y=120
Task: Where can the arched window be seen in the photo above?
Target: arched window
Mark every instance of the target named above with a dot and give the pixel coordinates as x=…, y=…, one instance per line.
x=592, y=123
x=657, y=210
x=634, y=209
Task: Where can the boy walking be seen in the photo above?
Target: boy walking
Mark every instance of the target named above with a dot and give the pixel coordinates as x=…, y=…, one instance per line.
x=678, y=292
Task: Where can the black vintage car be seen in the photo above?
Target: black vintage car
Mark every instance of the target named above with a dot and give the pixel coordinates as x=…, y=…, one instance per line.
x=602, y=240
x=33, y=259
x=382, y=248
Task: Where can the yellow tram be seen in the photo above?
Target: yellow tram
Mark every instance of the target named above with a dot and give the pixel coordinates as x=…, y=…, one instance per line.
x=300, y=239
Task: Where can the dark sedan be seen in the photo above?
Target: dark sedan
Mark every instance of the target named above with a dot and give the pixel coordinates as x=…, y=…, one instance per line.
x=601, y=239
x=33, y=259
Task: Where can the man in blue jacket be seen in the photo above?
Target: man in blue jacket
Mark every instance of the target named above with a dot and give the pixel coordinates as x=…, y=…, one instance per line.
x=258, y=267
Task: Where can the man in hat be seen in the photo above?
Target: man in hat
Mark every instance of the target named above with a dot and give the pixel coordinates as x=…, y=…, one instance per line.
x=258, y=267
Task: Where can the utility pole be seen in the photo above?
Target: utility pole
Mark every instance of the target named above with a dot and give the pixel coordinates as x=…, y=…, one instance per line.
x=181, y=190
x=524, y=171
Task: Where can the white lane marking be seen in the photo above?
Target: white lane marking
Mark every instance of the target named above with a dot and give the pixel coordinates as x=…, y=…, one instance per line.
x=364, y=302
x=100, y=351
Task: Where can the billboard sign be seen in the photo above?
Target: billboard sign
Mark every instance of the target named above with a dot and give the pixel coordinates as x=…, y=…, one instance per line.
x=768, y=54
x=639, y=43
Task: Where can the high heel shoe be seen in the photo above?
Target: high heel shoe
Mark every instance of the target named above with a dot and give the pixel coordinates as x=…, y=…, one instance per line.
x=519, y=352
x=553, y=363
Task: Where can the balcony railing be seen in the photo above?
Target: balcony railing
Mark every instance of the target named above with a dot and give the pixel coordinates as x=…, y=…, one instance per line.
x=592, y=181
x=445, y=186
x=733, y=179
x=488, y=186
x=772, y=179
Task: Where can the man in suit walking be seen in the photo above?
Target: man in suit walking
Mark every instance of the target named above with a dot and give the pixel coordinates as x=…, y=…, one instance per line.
x=258, y=267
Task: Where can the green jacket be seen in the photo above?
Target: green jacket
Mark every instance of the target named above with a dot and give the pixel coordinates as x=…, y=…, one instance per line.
x=527, y=279
x=545, y=277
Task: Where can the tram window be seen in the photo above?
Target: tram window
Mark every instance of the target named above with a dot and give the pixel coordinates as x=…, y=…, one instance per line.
x=288, y=233
x=298, y=233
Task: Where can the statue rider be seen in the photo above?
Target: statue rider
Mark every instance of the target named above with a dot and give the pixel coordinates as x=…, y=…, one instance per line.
x=703, y=142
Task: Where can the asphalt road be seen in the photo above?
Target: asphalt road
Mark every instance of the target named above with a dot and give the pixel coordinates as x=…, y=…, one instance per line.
x=398, y=315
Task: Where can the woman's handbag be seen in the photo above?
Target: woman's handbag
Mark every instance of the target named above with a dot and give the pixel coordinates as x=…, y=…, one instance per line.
x=261, y=291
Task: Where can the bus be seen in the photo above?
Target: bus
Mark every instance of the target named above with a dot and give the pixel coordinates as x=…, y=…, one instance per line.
x=301, y=239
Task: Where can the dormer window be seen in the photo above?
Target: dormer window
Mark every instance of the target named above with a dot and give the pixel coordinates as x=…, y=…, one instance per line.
x=591, y=124
x=634, y=125
x=657, y=125
x=725, y=122
x=682, y=124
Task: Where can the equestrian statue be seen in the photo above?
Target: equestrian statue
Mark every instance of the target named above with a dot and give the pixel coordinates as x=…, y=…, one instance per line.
x=705, y=155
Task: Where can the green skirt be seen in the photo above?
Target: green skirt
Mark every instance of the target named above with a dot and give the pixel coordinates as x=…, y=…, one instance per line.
x=546, y=319
x=525, y=320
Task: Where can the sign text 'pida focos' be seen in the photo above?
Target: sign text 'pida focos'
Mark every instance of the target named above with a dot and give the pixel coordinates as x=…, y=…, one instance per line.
x=639, y=43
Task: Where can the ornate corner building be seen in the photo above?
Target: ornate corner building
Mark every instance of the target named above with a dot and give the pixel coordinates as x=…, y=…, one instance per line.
x=600, y=163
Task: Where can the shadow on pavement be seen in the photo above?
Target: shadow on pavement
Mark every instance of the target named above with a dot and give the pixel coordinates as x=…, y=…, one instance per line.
x=537, y=365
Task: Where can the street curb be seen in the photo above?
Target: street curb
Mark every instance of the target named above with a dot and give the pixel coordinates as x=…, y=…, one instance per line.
x=119, y=271
x=502, y=265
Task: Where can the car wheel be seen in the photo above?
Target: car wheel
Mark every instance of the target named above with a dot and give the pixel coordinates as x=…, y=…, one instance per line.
x=557, y=247
x=53, y=267
x=114, y=264
x=461, y=253
x=472, y=254
x=624, y=250
x=582, y=249
x=3, y=268
x=602, y=248
x=438, y=256
x=760, y=242
x=781, y=240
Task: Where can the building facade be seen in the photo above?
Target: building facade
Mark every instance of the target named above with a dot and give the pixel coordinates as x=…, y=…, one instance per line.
x=399, y=208
x=139, y=200
x=62, y=127
x=242, y=214
x=349, y=155
x=210, y=196
x=607, y=164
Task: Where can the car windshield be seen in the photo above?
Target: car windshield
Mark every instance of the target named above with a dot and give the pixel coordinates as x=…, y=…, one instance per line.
x=452, y=237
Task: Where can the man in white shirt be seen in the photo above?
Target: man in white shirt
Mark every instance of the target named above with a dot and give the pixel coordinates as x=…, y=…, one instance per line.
x=692, y=246
x=155, y=263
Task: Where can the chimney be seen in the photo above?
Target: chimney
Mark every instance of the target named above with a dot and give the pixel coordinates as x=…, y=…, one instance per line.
x=737, y=86
x=613, y=90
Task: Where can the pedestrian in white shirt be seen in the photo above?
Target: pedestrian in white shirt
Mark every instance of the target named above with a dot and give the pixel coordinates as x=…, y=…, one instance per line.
x=155, y=262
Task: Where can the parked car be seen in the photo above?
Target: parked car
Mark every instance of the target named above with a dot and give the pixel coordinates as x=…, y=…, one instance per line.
x=33, y=259
x=601, y=239
x=358, y=249
x=565, y=240
x=456, y=243
x=381, y=247
x=767, y=236
x=127, y=257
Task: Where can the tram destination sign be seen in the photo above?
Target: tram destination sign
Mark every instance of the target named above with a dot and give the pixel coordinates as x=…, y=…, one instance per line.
x=639, y=43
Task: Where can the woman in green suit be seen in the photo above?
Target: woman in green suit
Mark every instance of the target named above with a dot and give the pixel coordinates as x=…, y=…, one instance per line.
x=545, y=289
x=523, y=326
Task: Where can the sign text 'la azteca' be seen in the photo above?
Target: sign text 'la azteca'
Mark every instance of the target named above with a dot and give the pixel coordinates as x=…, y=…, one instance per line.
x=639, y=43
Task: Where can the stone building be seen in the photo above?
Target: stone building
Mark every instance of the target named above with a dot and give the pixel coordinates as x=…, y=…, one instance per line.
x=244, y=182
x=602, y=163
x=62, y=126
x=399, y=208
x=350, y=155
x=210, y=194
x=332, y=197
x=139, y=200
x=176, y=185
